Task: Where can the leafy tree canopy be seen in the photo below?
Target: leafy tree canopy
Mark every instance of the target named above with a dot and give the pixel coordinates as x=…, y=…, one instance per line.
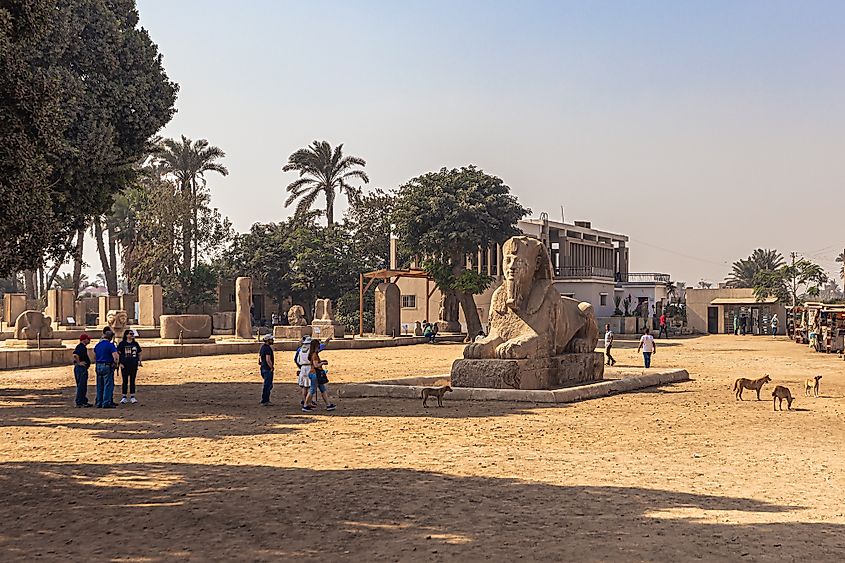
x=743, y=271
x=790, y=282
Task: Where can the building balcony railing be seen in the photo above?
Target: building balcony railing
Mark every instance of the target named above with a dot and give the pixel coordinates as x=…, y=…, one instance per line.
x=575, y=272
x=644, y=277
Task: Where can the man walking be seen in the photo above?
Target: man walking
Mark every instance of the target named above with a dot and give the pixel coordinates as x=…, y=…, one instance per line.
x=608, y=344
x=648, y=346
x=774, y=325
x=81, y=363
x=106, y=357
x=267, y=363
x=664, y=329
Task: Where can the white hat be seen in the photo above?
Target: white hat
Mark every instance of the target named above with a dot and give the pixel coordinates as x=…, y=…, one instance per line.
x=267, y=337
x=306, y=340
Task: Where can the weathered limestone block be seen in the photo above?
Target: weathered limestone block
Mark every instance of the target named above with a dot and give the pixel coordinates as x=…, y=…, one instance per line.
x=243, y=305
x=60, y=306
x=296, y=316
x=186, y=329
x=324, y=324
x=388, y=320
x=13, y=305
x=538, y=339
x=33, y=330
x=545, y=373
x=107, y=303
x=448, y=319
x=80, y=313
x=223, y=323
x=117, y=321
x=150, y=304
x=127, y=303
x=291, y=332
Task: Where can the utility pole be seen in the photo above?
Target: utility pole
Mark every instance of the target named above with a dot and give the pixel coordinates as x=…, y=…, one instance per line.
x=794, y=291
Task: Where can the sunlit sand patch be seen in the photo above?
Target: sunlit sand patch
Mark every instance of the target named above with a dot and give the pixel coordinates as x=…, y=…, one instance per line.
x=454, y=539
x=127, y=479
x=737, y=517
x=207, y=418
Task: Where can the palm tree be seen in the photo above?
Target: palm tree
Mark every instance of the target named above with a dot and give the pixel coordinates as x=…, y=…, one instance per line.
x=64, y=281
x=188, y=161
x=841, y=260
x=743, y=271
x=322, y=170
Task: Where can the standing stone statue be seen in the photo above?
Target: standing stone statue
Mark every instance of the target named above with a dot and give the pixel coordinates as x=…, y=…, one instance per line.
x=448, y=319
x=324, y=324
x=243, y=304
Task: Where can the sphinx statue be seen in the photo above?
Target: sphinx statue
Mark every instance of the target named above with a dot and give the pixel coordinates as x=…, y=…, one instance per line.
x=551, y=338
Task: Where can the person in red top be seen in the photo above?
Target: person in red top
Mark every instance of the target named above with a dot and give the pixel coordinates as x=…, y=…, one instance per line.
x=663, y=328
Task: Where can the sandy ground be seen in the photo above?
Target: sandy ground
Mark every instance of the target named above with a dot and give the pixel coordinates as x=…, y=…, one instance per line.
x=199, y=471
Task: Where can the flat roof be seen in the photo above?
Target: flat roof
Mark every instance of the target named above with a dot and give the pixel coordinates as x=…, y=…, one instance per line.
x=742, y=301
x=566, y=226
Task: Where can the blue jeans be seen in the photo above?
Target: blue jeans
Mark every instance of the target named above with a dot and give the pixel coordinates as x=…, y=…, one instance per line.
x=80, y=373
x=314, y=385
x=774, y=331
x=105, y=385
x=267, y=376
x=647, y=359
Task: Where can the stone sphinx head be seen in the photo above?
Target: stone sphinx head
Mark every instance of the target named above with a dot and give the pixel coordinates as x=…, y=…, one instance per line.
x=525, y=261
x=117, y=320
x=296, y=316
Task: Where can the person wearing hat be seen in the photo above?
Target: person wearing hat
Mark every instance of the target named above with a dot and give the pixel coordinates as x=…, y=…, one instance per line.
x=81, y=363
x=106, y=358
x=303, y=366
x=267, y=364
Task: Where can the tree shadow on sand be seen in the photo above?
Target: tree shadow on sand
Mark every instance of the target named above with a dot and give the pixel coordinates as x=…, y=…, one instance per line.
x=159, y=512
x=215, y=410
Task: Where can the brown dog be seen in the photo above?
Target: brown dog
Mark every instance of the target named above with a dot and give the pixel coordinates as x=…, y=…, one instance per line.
x=780, y=393
x=812, y=385
x=756, y=385
x=434, y=392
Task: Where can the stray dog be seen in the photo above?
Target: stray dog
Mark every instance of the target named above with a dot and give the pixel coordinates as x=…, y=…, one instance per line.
x=434, y=392
x=756, y=385
x=812, y=384
x=780, y=393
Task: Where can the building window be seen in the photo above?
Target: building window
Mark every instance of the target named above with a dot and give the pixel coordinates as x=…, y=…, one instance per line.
x=409, y=301
x=603, y=299
x=570, y=295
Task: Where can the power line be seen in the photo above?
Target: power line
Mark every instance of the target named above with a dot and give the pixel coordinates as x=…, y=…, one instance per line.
x=695, y=258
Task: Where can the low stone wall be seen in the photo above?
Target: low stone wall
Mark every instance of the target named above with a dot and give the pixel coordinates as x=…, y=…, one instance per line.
x=411, y=390
x=20, y=359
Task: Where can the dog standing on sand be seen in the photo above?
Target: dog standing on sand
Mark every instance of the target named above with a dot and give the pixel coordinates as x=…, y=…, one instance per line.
x=779, y=394
x=434, y=392
x=756, y=385
x=812, y=385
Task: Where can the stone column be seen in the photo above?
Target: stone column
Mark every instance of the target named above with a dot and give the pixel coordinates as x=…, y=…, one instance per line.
x=388, y=310
x=107, y=303
x=150, y=305
x=127, y=303
x=79, y=313
x=54, y=305
x=243, y=303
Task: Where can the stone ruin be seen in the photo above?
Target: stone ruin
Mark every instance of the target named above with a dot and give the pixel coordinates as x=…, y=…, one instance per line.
x=448, y=319
x=186, y=329
x=324, y=324
x=33, y=330
x=117, y=321
x=538, y=339
x=243, y=304
x=297, y=325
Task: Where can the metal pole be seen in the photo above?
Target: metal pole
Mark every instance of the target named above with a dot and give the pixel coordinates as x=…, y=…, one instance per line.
x=360, y=304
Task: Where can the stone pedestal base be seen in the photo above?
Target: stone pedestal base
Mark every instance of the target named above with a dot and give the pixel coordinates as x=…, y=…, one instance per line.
x=186, y=341
x=291, y=332
x=43, y=343
x=324, y=331
x=545, y=373
x=448, y=326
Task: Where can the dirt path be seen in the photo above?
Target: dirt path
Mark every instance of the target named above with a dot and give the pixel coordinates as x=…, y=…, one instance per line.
x=199, y=471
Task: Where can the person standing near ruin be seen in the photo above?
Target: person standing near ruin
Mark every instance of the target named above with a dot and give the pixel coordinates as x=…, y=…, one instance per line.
x=608, y=344
x=648, y=346
x=266, y=361
x=317, y=377
x=774, y=325
x=664, y=329
x=81, y=363
x=106, y=358
x=129, y=352
x=736, y=324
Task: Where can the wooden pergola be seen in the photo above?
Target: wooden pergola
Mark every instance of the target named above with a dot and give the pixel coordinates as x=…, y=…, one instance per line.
x=390, y=276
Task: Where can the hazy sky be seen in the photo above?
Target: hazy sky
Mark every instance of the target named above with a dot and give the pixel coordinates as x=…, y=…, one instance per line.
x=700, y=131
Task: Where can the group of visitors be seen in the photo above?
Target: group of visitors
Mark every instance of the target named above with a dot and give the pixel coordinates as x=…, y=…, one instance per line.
x=646, y=344
x=741, y=325
x=311, y=372
x=430, y=331
x=108, y=358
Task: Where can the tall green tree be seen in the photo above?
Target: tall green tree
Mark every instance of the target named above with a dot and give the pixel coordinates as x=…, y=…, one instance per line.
x=790, y=282
x=322, y=170
x=743, y=271
x=82, y=88
x=187, y=162
x=448, y=215
x=841, y=259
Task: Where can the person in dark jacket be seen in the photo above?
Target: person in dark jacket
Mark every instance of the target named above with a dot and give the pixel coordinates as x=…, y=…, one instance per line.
x=129, y=352
x=81, y=363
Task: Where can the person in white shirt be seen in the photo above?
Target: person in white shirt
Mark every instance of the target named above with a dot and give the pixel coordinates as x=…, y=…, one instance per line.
x=774, y=325
x=648, y=347
x=608, y=344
